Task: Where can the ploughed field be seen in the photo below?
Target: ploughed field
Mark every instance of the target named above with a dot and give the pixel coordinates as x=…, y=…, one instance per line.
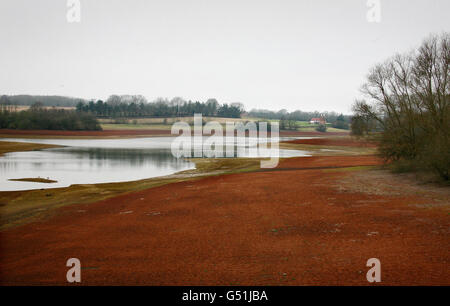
x=311, y=221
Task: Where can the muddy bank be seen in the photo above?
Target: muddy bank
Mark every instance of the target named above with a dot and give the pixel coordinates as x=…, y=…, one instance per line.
x=9, y=146
x=126, y=133
x=343, y=141
x=298, y=227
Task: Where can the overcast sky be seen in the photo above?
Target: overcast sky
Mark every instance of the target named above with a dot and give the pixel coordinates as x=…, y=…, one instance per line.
x=273, y=54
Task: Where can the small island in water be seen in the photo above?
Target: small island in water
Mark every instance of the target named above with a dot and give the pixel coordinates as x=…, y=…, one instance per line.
x=35, y=180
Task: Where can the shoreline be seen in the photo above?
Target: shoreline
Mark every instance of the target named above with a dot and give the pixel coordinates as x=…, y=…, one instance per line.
x=10, y=147
x=25, y=206
x=49, y=198
x=113, y=134
x=160, y=231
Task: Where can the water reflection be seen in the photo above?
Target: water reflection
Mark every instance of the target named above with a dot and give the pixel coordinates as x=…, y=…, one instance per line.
x=116, y=156
x=82, y=165
x=88, y=161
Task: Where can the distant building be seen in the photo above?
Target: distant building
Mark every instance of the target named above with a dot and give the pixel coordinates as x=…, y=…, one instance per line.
x=318, y=121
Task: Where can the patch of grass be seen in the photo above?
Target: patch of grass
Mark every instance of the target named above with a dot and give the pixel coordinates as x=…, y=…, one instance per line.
x=352, y=169
x=34, y=179
x=225, y=165
x=9, y=146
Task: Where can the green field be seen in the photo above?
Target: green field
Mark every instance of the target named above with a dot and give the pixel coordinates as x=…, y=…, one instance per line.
x=166, y=123
x=139, y=126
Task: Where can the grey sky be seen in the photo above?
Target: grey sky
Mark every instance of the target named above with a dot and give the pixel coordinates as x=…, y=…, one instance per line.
x=308, y=55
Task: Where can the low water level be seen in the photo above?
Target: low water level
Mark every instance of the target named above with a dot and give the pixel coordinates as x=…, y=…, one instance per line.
x=88, y=161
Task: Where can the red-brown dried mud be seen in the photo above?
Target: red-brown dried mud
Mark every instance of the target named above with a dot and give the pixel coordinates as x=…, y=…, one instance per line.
x=289, y=226
x=345, y=142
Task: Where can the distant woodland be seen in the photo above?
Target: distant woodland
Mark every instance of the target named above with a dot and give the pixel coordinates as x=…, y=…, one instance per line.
x=28, y=100
x=39, y=118
x=137, y=106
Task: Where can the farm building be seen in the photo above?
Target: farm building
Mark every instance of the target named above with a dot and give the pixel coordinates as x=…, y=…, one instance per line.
x=318, y=121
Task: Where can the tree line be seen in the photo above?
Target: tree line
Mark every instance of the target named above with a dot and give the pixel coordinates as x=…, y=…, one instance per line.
x=133, y=106
x=406, y=107
x=288, y=120
x=39, y=118
x=28, y=100
x=137, y=106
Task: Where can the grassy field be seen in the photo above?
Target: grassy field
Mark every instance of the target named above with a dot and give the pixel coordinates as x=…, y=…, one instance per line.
x=166, y=123
x=156, y=123
x=130, y=126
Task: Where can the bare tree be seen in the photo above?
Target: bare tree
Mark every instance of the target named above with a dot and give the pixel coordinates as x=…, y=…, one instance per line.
x=408, y=97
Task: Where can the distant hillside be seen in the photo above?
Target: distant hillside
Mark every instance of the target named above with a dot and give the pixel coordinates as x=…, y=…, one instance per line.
x=45, y=100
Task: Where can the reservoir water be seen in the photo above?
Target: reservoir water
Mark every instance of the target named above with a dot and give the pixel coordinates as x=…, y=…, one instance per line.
x=88, y=161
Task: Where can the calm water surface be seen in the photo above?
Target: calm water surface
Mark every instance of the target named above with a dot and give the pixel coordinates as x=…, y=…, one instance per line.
x=88, y=161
